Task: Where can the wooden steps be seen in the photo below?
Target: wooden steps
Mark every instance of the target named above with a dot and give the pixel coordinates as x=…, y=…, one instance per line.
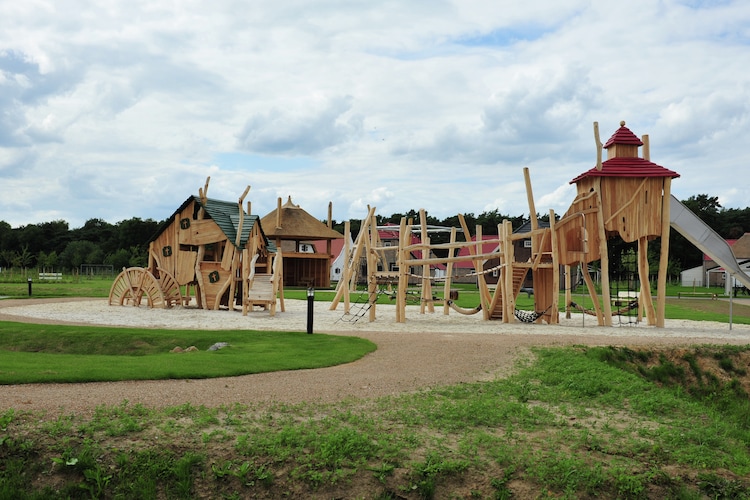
x=519, y=276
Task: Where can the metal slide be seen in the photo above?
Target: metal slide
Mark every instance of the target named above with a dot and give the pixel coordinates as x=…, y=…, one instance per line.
x=705, y=239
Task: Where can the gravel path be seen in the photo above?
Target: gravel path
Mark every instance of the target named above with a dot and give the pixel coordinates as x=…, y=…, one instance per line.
x=426, y=351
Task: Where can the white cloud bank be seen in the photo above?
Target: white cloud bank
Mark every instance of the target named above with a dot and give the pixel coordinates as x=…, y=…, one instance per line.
x=115, y=110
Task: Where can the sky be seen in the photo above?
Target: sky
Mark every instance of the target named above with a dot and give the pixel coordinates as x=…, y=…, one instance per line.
x=119, y=109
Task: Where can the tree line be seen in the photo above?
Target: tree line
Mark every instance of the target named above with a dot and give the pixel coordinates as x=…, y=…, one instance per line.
x=55, y=247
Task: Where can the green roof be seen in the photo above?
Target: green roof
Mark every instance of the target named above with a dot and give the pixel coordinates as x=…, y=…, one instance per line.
x=226, y=215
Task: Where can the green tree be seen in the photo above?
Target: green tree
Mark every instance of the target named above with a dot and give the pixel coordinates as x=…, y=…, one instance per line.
x=80, y=252
x=55, y=234
x=24, y=258
x=100, y=232
x=7, y=238
x=135, y=232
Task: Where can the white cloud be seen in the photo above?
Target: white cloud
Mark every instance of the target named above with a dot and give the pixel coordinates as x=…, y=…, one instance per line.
x=125, y=108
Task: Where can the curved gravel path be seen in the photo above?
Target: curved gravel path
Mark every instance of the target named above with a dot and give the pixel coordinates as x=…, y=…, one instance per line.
x=405, y=360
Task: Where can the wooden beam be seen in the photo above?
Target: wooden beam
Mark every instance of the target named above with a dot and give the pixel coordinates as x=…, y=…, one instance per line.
x=599, y=146
x=426, y=282
x=604, y=258
x=644, y=300
x=509, y=299
x=349, y=272
x=532, y=211
x=404, y=235
x=555, y=311
x=344, y=278
x=448, y=276
x=661, y=284
x=372, y=285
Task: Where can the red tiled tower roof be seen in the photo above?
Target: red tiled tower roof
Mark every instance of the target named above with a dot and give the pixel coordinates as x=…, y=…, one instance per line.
x=625, y=162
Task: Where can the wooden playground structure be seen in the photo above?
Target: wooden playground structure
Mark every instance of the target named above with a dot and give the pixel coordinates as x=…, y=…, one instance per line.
x=625, y=195
x=213, y=248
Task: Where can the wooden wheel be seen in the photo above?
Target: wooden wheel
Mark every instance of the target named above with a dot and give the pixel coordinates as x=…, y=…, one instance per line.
x=170, y=288
x=134, y=283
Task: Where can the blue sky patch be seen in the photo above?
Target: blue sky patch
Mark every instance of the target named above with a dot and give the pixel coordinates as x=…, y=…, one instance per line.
x=506, y=36
x=244, y=161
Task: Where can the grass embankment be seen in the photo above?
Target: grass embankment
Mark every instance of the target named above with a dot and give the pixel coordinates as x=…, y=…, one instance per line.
x=573, y=423
x=56, y=353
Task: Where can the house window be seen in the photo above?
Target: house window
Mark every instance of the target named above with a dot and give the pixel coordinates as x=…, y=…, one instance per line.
x=495, y=273
x=527, y=243
x=393, y=267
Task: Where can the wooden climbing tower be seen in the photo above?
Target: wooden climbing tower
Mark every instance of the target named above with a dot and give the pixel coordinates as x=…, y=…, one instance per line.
x=625, y=195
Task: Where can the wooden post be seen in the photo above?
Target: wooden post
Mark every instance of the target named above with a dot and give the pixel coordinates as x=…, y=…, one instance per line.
x=235, y=267
x=426, y=281
x=509, y=300
x=344, y=278
x=604, y=254
x=448, y=274
x=568, y=291
x=599, y=146
x=661, y=286
x=644, y=300
x=352, y=261
x=278, y=213
x=554, y=312
x=372, y=267
x=484, y=296
x=404, y=235
x=200, y=295
x=532, y=212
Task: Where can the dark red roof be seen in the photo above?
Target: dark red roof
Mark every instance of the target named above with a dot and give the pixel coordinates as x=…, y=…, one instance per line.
x=626, y=166
x=486, y=248
x=623, y=135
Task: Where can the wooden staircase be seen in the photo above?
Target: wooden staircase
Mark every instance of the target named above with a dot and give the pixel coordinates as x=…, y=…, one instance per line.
x=496, y=308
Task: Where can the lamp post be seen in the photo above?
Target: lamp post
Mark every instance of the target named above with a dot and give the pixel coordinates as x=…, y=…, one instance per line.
x=310, y=300
x=29, y=280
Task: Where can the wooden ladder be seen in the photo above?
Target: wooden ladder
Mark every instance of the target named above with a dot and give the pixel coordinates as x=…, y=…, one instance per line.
x=496, y=308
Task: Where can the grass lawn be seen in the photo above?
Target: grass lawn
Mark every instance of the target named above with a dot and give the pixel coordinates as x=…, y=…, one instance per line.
x=57, y=353
x=574, y=422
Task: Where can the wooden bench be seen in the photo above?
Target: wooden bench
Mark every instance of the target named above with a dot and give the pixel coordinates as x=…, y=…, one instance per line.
x=50, y=276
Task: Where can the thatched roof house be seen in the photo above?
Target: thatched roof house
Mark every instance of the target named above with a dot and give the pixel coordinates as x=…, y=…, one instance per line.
x=294, y=231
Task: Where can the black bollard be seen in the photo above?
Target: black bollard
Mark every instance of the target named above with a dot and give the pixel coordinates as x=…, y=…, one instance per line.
x=29, y=280
x=310, y=301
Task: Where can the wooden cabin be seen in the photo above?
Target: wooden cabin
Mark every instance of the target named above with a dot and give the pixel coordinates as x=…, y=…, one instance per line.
x=213, y=248
x=295, y=232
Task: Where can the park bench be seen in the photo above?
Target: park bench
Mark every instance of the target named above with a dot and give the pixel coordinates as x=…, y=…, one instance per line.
x=697, y=295
x=50, y=276
x=625, y=297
